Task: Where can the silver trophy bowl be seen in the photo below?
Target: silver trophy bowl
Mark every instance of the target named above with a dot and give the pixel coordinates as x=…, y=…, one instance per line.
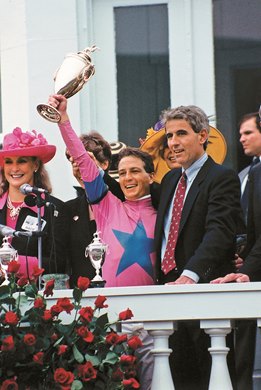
x=75, y=71
x=96, y=251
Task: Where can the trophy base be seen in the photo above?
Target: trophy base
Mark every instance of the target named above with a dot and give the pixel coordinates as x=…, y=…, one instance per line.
x=97, y=283
x=48, y=112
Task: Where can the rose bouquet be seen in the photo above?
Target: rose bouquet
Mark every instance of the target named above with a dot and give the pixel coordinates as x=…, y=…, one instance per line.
x=38, y=351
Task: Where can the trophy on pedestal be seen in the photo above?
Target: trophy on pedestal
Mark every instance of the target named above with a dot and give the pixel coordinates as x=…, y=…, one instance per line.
x=74, y=72
x=96, y=251
x=7, y=254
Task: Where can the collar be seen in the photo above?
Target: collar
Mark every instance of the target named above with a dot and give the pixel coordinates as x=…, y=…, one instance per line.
x=192, y=171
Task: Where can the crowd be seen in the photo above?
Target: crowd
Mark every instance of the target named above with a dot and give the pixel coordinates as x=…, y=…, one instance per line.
x=172, y=216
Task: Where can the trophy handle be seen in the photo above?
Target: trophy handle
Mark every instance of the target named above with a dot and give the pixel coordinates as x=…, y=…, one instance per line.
x=48, y=112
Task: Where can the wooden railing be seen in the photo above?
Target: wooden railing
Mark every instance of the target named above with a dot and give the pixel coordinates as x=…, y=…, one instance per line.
x=160, y=308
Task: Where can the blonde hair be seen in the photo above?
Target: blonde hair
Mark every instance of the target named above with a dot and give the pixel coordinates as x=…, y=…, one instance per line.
x=41, y=178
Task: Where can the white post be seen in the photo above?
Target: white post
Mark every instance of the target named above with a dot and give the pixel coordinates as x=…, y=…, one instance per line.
x=160, y=331
x=217, y=330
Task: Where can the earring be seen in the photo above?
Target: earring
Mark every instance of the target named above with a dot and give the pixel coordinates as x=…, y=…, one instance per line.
x=35, y=171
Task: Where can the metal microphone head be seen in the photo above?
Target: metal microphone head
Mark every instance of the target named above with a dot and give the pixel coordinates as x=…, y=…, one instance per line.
x=6, y=230
x=25, y=189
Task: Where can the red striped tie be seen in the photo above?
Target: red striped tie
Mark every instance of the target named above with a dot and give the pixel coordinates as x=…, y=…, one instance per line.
x=168, y=262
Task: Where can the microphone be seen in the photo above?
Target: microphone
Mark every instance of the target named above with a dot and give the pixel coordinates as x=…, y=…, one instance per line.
x=27, y=189
x=7, y=231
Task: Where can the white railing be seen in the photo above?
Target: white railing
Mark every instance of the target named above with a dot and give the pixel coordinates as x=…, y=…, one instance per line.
x=160, y=308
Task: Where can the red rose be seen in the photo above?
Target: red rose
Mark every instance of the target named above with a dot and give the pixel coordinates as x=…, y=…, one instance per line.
x=22, y=281
x=47, y=315
x=39, y=303
x=49, y=286
x=83, y=283
x=62, y=349
x=29, y=339
x=134, y=342
x=117, y=375
x=54, y=337
x=63, y=377
x=86, y=314
x=7, y=344
x=38, y=358
x=65, y=304
x=13, y=266
x=127, y=360
x=11, y=318
x=99, y=302
x=56, y=310
x=9, y=384
x=112, y=338
x=87, y=372
x=85, y=333
x=130, y=383
x=122, y=338
x=37, y=271
x=125, y=315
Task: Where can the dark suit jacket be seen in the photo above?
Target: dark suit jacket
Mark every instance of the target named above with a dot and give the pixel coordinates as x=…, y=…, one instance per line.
x=53, y=244
x=206, y=241
x=80, y=231
x=252, y=254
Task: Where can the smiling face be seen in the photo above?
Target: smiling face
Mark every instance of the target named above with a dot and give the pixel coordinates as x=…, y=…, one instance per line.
x=134, y=180
x=184, y=142
x=19, y=170
x=170, y=158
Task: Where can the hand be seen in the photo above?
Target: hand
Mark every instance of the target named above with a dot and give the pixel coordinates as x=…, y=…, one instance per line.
x=238, y=261
x=60, y=103
x=234, y=277
x=183, y=280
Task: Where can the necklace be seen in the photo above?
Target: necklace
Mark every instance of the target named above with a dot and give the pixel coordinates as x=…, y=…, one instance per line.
x=14, y=211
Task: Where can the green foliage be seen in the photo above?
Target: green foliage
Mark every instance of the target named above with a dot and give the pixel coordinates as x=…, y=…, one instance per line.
x=39, y=351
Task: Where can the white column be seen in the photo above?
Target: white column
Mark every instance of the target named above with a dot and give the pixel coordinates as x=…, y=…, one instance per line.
x=217, y=330
x=160, y=331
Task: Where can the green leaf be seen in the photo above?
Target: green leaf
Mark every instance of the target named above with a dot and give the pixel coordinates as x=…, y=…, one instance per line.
x=102, y=321
x=77, y=294
x=76, y=385
x=4, y=292
x=58, y=341
x=77, y=355
x=31, y=290
x=93, y=359
x=111, y=358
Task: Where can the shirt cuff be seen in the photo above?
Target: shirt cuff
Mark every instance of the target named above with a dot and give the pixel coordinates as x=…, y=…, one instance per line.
x=191, y=275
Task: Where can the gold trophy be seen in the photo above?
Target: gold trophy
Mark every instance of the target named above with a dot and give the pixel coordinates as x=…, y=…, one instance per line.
x=74, y=72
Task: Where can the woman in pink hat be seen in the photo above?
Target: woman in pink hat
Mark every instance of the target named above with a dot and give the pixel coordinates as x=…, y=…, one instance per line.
x=22, y=160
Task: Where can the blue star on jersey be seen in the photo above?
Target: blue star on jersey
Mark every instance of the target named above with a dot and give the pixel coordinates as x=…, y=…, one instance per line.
x=137, y=249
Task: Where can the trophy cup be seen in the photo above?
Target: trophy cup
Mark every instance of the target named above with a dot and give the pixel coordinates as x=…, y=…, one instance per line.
x=96, y=251
x=7, y=254
x=74, y=72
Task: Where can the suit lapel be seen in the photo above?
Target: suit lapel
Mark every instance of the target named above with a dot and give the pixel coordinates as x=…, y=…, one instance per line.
x=193, y=192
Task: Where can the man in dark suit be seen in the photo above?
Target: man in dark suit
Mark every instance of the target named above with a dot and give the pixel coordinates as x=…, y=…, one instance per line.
x=250, y=138
x=249, y=271
x=205, y=243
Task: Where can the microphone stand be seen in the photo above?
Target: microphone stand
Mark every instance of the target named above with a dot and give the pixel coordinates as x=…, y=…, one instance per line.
x=39, y=203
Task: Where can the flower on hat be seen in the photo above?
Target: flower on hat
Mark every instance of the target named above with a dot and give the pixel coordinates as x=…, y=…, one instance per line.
x=18, y=139
x=27, y=143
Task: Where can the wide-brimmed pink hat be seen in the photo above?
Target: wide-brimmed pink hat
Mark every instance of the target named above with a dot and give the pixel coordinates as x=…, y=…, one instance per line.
x=28, y=143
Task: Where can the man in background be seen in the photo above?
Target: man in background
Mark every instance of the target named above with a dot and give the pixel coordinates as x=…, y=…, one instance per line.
x=250, y=138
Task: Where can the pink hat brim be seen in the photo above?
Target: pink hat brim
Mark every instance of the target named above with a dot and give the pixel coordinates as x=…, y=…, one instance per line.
x=44, y=152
